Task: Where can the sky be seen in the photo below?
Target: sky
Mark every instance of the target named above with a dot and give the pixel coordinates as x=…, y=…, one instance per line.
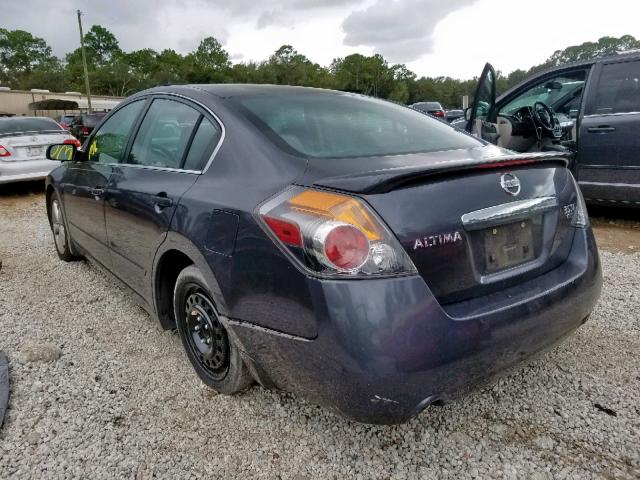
x=432, y=37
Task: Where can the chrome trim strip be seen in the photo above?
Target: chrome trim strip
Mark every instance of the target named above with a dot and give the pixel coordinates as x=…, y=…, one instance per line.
x=606, y=184
x=222, y=136
x=507, y=211
x=619, y=114
x=151, y=167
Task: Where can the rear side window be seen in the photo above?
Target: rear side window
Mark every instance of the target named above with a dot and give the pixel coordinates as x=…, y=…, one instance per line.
x=204, y=141
x=618, y=89
x=110, y=141
x=332, y=125
x=164, y=134
x=28, y=125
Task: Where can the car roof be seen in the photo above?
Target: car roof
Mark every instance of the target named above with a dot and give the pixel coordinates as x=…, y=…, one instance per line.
x=632, y=55
x=21, y=117
x=226, y=90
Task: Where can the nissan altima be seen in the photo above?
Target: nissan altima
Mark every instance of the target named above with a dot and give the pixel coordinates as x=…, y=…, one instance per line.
x=356, y=252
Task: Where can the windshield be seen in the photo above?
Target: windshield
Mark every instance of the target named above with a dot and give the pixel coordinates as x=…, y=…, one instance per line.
x=28, y=125
x=343, y=125
x=552, y=92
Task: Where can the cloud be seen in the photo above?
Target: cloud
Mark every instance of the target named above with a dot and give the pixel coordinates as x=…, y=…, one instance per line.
x=273, y=18
x=177, y=24
x=401, y=30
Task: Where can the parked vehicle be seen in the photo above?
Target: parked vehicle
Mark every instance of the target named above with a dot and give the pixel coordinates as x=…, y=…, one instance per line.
x=451, y=115
x=348, y=249
x=23, y=144
x=65, y=120
x=589, y=110
x=432, y=108
x=82, y=125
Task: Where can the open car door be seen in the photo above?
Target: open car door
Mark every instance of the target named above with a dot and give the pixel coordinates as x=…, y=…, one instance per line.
x=484, y=101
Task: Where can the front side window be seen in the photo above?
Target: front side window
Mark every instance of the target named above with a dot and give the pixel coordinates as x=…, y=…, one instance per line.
x=164, y=134
x=618, y=89
x=110, y=141
x=560, y=93
x=343, y=125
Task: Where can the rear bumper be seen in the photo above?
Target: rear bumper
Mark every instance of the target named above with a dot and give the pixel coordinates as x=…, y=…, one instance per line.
x=21, y=171
x=386, y=349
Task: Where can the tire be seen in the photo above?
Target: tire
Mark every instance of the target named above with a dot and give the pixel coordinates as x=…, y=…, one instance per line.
x=58, y=223
x=212, y=352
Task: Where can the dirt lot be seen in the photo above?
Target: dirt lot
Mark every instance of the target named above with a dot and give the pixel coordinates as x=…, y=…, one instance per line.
x=100, y=391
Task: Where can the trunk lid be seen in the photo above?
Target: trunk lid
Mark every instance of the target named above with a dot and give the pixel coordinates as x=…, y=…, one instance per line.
x=31, y=146
x=473, y=225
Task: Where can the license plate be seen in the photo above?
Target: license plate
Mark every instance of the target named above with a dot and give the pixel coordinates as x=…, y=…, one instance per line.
x=34, y=151
x=508, y=245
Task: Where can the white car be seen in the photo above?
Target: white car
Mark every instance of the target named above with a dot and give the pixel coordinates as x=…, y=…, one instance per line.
x=23, y=147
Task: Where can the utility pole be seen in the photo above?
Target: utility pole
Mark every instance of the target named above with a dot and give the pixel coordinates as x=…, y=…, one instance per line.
x=84, y=62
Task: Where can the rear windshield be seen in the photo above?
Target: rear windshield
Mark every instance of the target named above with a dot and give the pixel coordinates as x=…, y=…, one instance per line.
x=28, y=125
x=426, y=106
x=339, y=126
x=93, y=119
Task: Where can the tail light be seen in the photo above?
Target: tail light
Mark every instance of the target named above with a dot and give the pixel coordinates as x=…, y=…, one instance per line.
x=73, y=141
x=580, y=216
x=4, y=152
x=439, y=113
x=333, y=234
x=85, y=131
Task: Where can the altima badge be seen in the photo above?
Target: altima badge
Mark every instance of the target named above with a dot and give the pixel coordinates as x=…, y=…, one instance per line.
x=510, y=184
x=437, y=240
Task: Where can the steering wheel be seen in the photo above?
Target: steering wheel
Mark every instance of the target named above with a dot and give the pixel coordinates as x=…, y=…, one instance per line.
x=544, y=116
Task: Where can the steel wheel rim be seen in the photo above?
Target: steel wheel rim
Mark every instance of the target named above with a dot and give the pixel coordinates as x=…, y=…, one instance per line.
x=205, y=335
x=57, y=225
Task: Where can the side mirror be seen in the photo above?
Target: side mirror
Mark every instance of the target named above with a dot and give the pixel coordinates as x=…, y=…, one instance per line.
x=65, y=152
x=467, y=114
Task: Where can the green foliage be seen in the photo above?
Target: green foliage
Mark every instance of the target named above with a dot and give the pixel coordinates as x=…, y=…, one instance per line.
x=27, y=62
x=21, y=54
x=605, y=46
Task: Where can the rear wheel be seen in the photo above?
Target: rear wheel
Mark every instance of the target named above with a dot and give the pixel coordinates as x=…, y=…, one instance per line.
x=212, y=352
x=59, y=228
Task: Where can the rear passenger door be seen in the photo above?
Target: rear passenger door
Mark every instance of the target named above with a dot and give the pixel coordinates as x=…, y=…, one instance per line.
x=609, y=139
x=163, y=161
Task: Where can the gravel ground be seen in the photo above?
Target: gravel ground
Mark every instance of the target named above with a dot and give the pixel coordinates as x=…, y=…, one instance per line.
x=113, y=395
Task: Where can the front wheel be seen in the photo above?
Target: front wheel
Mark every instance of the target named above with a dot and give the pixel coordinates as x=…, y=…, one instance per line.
x=213, y=354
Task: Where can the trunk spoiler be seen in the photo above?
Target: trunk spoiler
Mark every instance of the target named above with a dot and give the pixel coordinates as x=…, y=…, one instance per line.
x=384, y=180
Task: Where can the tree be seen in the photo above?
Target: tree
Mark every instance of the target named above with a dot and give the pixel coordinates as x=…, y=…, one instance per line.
x=20, y=54
x=289, y=67
x=605, y=46
x=101, y=46
x=209, y=63
x=366, y=75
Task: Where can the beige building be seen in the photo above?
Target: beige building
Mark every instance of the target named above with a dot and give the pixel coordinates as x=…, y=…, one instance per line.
x=42, y=103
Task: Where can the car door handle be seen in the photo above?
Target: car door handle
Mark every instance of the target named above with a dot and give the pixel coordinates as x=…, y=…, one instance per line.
x=601, y=129
x=162, y=201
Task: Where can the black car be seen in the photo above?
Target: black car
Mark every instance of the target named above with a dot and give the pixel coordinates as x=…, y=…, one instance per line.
x=359, y=253
x=82, y=125
x=432, y=108
x=588, y=110
x=452, y=115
